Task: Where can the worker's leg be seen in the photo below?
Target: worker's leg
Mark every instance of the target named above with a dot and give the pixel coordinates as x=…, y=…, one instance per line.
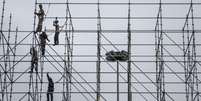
x=43, y=49
x=36, y=66
x=32, y=66
x=39, y=27
x=47, y=96
x=51, y=94
x=55, y=39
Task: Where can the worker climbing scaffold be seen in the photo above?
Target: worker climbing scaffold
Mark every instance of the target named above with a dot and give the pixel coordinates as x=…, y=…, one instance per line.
x=34, y=59
x=40, y=15
x=50, y=88
x=43, y=37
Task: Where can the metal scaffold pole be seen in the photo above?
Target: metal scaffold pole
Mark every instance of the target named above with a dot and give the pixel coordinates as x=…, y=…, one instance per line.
x=129, y=55
x=2, y=19
x=98, y=63
x=190, y=61
x=68, y=54
x=1, y=41
x=118, y=81
x=160, y=75
x=9, y=58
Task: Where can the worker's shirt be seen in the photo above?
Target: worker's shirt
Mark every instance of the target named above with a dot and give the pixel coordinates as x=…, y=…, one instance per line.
x=43, y=38
x=41, y=15
x=56, y=26
x=57, y=29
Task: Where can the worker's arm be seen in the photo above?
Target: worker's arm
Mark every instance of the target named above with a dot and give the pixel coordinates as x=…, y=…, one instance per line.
x=40, y=13
x=30, y=51
x=36, y=13
x=48, y=77
x=48, y=39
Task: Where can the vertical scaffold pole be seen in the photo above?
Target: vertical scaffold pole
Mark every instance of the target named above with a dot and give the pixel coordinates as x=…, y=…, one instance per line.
x=1, y=32
x=98, y=53
x=190, y=61
x=117, y=80
x=14, y=59
x=8, y=56
x=129, y=56
x=67, y=57
x=2, y=18
x=160, y=76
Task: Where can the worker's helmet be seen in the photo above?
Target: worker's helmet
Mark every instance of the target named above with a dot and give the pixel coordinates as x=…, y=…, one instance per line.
x=40, y=5
x=56, y=20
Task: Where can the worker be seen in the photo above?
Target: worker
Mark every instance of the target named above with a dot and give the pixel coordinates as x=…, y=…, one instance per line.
x=50, y=88
x=43, y=37
x=40, y=15
x=34, y=60
x=56, y=36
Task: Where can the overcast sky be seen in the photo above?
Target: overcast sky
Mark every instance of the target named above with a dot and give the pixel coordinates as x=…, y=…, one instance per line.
x=23, y=17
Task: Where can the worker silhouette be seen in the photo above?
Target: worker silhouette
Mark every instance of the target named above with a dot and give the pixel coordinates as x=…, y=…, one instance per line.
x=40, y=15
x=56, y=36
x=43, y=37
x=34, y=60
x=50, y=88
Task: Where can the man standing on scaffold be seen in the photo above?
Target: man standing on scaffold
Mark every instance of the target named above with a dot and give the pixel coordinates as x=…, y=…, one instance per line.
x=40, y=15
x=57, y=31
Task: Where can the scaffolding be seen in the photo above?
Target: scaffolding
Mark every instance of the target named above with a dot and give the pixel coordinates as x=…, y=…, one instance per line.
x=174, y=75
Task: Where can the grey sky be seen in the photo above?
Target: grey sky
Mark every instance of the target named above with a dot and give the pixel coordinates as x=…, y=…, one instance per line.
x=23, y=13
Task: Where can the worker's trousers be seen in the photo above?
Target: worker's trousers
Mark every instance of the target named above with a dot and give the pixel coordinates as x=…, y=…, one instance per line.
x=43, y=49
x=56, y=38
x=40, y=26
x=49, y=96
x=34, y=64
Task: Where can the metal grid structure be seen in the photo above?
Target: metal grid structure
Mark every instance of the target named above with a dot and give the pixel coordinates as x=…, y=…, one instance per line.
x=80, y=70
